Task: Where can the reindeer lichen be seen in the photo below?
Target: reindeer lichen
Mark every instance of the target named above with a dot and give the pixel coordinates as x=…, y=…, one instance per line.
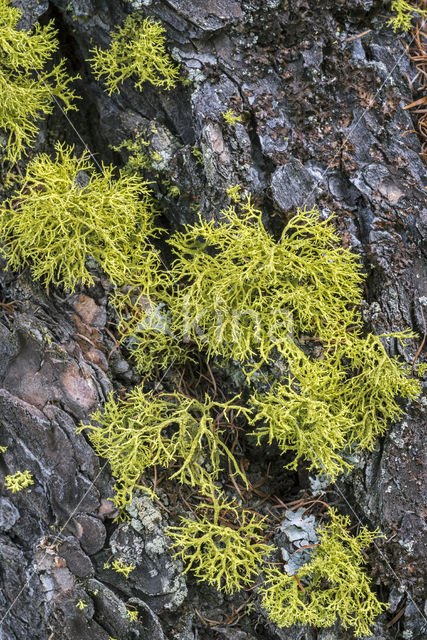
x=27, y=88
x=137, y=49
x=65, y=211
x=331, y=586
x=223, y=548
x=147, y=430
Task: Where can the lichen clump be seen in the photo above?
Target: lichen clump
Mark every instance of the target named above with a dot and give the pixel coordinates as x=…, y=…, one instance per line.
x=18, y=481
x=242, y=295
x=404, y=11
x=147, y=430
x=66, y=212
x=137, y=50
x=324, y=405
x=27, y=88
x=331, y=585
x=225, y=554
x=144, y=327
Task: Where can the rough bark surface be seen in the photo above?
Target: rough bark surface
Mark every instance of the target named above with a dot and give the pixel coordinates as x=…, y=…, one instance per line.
x=323, y=122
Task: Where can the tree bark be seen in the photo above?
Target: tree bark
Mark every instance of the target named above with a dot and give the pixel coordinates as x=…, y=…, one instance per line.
x=322, y=89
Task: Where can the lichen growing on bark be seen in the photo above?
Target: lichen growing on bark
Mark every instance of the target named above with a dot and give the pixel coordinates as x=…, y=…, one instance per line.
x=65, y=212
x=147, y=430
x=331, y=585
x=137, y=50
x=226, y=554
x=28, y=89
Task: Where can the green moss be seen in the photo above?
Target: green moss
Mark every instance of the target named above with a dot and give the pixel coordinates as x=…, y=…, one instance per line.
x=27, y=88
x=61, y=216
x=402, y=21
x=137, y=49
x=148, y=430
x=331, y=585
x=224, y=547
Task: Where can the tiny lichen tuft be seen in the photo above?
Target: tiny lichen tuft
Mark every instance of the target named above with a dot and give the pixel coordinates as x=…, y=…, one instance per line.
x=121, y=567
x=404, y=14
x=137, y=49
x=234, y=193
x=231, y=117
x=18, y=481
x=132, y=614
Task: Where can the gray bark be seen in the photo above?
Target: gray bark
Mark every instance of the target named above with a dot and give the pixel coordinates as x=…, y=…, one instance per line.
x=303, y=83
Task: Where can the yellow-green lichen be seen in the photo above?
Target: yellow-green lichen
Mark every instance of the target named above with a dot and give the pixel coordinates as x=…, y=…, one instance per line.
x=139, y=157
x=147, y=430
x=233, y=193
x=331, y=586
x=66, y=212
x=18, y=481
x=404, y=11
x=347, y=396
x=224, y=547
x=144, y=327
x=243, y=295
x=231, y=118
x=137, y=50
x=28, y=90
x=132, y=614
x=120, y=567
